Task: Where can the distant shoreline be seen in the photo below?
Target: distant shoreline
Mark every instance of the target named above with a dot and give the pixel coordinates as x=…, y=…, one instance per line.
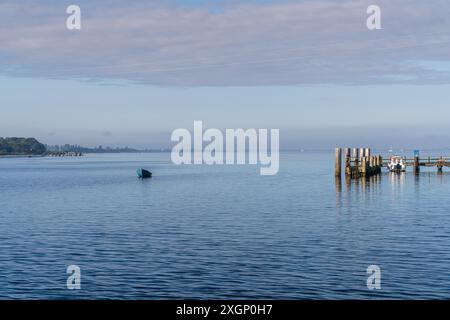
x=306, y=151
x=84, y=153
x=21, y=155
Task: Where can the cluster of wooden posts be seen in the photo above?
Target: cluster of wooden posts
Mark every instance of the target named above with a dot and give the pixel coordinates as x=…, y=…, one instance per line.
x=358, y=163
x=64, y=154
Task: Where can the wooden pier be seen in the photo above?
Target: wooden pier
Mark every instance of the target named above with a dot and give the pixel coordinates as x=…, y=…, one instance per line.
x=417, y=162
x=359, y=162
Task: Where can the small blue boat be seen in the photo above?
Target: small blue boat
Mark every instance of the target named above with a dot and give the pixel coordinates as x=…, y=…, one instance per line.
x=143, y=174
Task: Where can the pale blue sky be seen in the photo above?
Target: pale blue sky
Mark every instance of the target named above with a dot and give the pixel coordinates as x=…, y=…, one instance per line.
x=58, y=111
x=138, y=70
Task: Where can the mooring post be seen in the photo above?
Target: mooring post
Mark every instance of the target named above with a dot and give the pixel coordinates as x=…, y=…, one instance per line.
x=440, y=164
x=371, y=165
x=338, y=162
x=363, y=166
x=368, y=169
x=347, y=161
x=416, y=164
x=367, y=152
x=355, y=155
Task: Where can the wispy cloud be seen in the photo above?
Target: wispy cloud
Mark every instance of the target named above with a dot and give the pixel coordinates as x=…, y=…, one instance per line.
x=244, y=43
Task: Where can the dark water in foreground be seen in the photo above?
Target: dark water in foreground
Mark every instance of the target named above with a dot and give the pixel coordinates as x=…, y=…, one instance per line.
x=218, y=232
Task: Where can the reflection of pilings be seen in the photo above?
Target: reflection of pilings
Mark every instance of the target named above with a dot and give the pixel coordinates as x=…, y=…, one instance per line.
x=416, y=183
x=338, y=183
x=416, y=178
x=348, y=181
x=367, y=185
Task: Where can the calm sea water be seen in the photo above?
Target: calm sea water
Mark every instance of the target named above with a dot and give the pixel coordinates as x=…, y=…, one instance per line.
x=215, y=232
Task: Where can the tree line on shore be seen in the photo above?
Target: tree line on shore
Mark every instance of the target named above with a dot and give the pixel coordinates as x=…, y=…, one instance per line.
x=21, y=146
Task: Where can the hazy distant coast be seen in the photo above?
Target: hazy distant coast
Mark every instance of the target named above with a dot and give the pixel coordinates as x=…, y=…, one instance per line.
x=99, y=149
x=25, y=147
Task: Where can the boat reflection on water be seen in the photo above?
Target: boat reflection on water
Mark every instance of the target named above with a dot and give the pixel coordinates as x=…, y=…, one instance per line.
x=397, y=179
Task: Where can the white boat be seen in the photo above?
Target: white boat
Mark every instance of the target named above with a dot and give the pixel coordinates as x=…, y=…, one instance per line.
x=397, y=164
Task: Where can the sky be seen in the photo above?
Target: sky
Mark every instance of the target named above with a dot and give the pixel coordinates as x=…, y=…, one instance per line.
x=137, y=70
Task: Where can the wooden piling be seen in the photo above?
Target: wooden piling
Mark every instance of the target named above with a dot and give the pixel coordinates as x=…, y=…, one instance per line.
x=440, y=164
x=372, y=165
x=347, y=161
x=355, y=155
x=338, y=162
x=416, y=164
x=361, y=153
x=363, y=166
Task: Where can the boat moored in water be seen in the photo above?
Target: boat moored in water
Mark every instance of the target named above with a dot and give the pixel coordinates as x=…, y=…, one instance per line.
x=397, y=164
x=143, y=174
